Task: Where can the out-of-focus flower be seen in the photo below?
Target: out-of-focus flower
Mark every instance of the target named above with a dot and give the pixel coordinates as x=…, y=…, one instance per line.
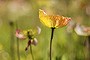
x=33, y=31
x=30, y=34
x=18, y=8
x=53, y=21
x=33, y=42
x=82, y=30
x=20, y=35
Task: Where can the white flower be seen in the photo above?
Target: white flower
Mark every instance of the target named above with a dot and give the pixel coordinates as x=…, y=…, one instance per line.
x=82, y=30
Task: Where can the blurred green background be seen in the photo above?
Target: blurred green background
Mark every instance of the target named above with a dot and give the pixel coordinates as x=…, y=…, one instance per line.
x=66, y=46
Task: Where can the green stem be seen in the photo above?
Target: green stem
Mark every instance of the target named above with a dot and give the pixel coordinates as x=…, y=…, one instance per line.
x=12, y=41
x=51, y=43
x=29, y=44
x=31, y=52
x=88, y=48
x=18, y=54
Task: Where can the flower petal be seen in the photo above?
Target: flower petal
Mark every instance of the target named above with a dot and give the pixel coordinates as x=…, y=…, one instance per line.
x=53, y=21
x=38, y=29
x=34, y=42
x=20, y=35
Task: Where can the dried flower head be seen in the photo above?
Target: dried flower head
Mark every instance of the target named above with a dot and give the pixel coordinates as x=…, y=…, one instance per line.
x=30, y=34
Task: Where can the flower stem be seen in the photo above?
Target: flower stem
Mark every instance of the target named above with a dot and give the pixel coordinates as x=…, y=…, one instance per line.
x=51, y=43
x=12, y=40
x=31, y=52
x=29, y=44
x=18, y=54
x=88, y=48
